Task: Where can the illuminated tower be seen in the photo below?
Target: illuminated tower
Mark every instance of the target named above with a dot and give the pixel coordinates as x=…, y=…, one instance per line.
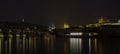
x=66, y=25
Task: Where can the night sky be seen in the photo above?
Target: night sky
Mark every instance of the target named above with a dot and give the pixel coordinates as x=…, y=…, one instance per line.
x=47, y=12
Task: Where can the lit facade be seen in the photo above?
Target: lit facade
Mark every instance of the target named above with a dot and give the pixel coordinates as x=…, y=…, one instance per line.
x=101, y=21
x=66, y=25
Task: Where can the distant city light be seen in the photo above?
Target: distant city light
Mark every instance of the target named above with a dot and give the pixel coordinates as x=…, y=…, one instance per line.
x=66, y=26
x=52, y=27
x=23, y=20
x=118, y=21
x=1, y=35
x=76, y=33
x=90, y=34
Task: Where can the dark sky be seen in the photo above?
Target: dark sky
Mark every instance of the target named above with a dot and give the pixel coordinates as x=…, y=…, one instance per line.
x=46, y=12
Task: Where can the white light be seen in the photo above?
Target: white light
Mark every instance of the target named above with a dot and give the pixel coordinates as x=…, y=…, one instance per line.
x=118, y=21
x=24, y=35
x=0, y=30
x=89, y=46
x=17, y=35
x=52, y=27
x=90, y=34
x=76, y=33
x=35, y=27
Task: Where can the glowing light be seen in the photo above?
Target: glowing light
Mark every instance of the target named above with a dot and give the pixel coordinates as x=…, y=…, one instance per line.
x=52, y=27
x=10, y=35
x=94, y=33
x=111, y=23
x=27, y=28
x=35, y=27
x=17, y=35
x=89, y=46
x=75, y=45
x=10, y=30
x=95, y=40
x=23, y=20
x=66, y=26
x=76, y=33
x=0, y=30
x=24, y=35
x=118, y=21
x=90, y=34
x=1, y=35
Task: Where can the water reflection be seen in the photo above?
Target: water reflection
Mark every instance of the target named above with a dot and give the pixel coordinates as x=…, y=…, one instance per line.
x=75, y=45
x=47, y=45
x=59, y=45
x=18, y=45
x=89, y=46
x=0, y=46
x=83, y=45
x=95, y=43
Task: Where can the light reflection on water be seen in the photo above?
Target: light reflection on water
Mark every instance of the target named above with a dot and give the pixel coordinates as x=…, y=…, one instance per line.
x=89, y=46
x=75, y=45
x=58, y=45
x=18, y=45
x=82, y=46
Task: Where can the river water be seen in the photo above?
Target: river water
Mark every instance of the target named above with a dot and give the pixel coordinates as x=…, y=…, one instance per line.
x=59, y=45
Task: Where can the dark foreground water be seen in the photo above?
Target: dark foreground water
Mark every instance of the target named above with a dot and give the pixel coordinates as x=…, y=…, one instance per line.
x=53, y=45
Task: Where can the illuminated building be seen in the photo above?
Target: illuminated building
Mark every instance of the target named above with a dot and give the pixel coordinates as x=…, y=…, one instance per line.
x=66, y=25
x=101, y=21
x=12, y=29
